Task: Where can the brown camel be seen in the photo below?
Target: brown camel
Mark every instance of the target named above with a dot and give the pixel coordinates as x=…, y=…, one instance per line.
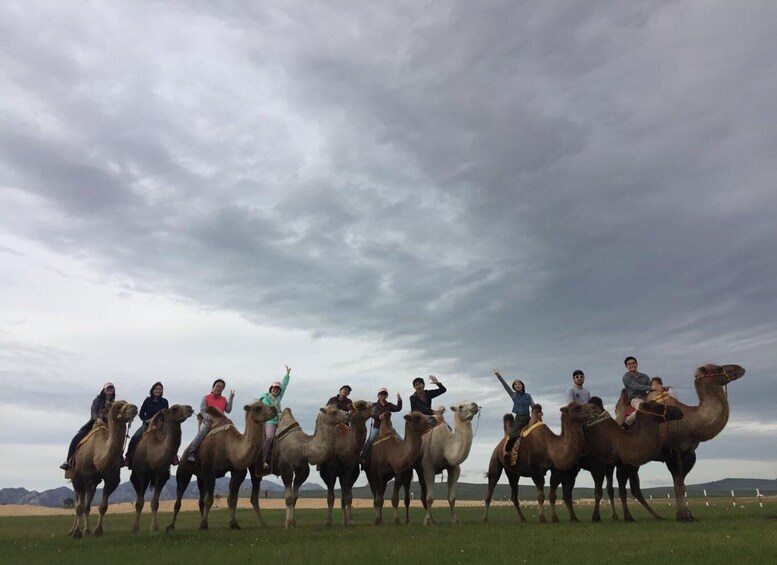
x=344, y=464
x=391, y=456
x=294, y=451
x=224, y=450
x=700, y=423
x=608, y=445
x=540, y=450
x=153, y=454
x=98, y=458
x=441, y=450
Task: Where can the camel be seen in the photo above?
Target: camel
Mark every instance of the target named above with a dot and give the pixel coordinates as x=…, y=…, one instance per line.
x=391, y=456
x=293, y=453
x=540, y=450
x=153, y=454
x=344, y=463
x=699, y=423
x=608, y=445
x=441, y=450
x=224, y=450
x=98, y=458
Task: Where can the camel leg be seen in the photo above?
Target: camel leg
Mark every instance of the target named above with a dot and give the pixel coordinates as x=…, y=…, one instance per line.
x=539, y=483
x=426, y=478
x=567, y=486
x=108, y=487
x=256, y=488
x=494, y=472
x=513, y=478
x=137, y=482
x=292, y=483
x=555, y=479
x=328, y=476
x=597, y=474
x=78, y=490
x=235, y=480
x=159, y=483
x=623, y=474
x=680, y=465
x=453, y=477
x=346, y=484
x=91, y=489
x=636, y=492
x=207, y=483
x=378, y=485
x=182, y=478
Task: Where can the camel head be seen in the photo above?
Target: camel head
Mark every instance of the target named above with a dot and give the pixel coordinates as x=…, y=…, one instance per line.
x=363, y=410
x=259, y=412
x=333, y=415
x=179, y=412
x=385, y=422
x=419, y=421
x=122, y=411
x=719, y=375
x=579, y=413
x=465, y=411
x=661, y=412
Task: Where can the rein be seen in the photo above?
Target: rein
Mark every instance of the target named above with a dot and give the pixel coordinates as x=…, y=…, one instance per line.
x=291, y=427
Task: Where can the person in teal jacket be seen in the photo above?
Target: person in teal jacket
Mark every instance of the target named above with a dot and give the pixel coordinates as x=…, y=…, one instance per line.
x=273, y=398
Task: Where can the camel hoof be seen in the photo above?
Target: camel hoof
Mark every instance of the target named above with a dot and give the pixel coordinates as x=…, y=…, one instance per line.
x=573, y=519
x=170, y=528
x=554, y=519
x=660, y=518
x=87, y=532
x=234, y=526
x=136, y=529
x=397, y=522
x=629, y=519
x=98, y=532
x=203, y=527
x=77, y=534
x=543, y=520
x=596, y=518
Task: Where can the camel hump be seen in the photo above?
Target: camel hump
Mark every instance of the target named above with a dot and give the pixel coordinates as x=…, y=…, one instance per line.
x=214, y=412
x=157, y=419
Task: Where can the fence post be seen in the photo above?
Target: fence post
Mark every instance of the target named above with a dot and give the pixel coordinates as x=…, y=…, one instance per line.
x=758, y=496
x=733, y=499
x=707, y=502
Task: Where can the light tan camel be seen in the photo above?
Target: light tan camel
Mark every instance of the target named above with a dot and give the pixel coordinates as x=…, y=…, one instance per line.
x=98, y=458
x=391, y=456
x=224, y=450
x=608, y=445
x=344, y=463
x=700, y=423
x=441, y=450
x=540, y=451
x=153, y=454
x=294, y=451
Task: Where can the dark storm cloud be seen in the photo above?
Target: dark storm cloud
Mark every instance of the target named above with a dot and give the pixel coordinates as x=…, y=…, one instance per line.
x=533, y=188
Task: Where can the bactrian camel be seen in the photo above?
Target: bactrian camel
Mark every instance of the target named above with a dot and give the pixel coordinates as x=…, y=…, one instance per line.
x=442, y=449
x=294, y=451
x=224, y=450
x=153, y=455
x=608, y=445
x=391, y=456
x=700, y=423
x=343, y=466
x=98, y=458
x=540, y=451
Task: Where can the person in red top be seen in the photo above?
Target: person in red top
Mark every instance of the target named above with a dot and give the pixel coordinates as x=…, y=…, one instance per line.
x=217, y=400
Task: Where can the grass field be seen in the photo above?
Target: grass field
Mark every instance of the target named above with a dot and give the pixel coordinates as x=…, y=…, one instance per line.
x=723, y=534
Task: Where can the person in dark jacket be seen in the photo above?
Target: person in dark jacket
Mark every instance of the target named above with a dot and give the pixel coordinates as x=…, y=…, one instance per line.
x=98, y=409
x=341, y=399
x=151, y=405
x=421, y=399
x=383, y=406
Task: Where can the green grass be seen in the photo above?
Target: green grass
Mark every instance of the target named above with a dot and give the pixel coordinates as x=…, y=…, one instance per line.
x=723, y=534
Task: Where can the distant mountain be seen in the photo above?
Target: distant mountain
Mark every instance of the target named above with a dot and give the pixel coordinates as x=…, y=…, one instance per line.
x=464, y=491
x=126, y=493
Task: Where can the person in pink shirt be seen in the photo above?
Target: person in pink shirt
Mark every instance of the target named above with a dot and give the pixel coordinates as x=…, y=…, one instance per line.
x=215, y=399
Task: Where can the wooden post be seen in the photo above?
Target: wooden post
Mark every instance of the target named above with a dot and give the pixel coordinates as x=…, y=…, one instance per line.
x=733, y=499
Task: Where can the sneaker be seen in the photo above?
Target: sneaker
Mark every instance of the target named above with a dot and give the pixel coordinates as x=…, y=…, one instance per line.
x=65, y=466
x=126, y=462
x=266, y=466
x=190, y=458
x=175, y=460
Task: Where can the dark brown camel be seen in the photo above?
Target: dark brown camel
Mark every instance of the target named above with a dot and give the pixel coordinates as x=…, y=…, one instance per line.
x=540, y=451
x=98, y=458
x=390, y=456
x=153, y=454
x=343, y=466
x=700, y=423
x=224, y=450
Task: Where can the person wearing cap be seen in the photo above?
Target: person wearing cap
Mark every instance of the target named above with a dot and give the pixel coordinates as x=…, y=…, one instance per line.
x=98, y=410
x=577, y=392
x=421, y=399
x=383, y=406
x=273, y=398
x=151, y=405
x=522, y=405
x=341, y=399
x=216, y=400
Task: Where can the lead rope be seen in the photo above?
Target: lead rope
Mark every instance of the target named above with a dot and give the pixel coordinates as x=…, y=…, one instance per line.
x=477, y=425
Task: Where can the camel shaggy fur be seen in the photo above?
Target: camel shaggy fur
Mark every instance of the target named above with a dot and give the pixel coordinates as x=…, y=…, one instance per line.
x=98, y=458
x=153, y=454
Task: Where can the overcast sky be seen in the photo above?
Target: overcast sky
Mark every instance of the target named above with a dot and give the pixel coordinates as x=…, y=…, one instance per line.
x=370, y=193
